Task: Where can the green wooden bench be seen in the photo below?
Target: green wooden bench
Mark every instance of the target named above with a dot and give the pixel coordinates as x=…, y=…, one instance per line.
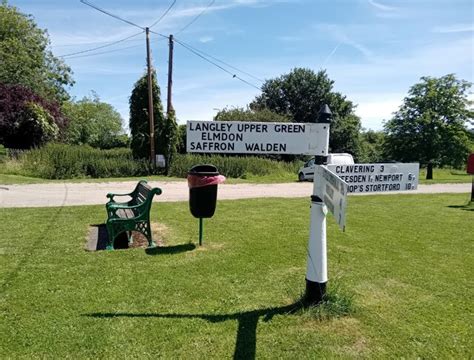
x=132, y=215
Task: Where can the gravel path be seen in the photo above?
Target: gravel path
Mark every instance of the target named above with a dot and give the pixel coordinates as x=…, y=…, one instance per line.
x=67, y=194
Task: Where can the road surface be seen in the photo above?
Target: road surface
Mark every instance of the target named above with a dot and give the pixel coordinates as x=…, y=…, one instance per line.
x=68, y=194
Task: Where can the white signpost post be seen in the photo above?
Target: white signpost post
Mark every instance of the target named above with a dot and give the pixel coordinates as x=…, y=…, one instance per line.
x=332, y=183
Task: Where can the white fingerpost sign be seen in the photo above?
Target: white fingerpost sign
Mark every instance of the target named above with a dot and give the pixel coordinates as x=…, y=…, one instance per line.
x=364, y=178
x=333, y=191
x=332, y=183
x=242, y=137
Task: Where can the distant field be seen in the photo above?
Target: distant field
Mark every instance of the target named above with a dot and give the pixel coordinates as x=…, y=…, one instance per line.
x=407, y=262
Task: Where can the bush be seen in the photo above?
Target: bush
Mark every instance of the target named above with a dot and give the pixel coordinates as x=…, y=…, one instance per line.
x=233, y=166
x=57, y=161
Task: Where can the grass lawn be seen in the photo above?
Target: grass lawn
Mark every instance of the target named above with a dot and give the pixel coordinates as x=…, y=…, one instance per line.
x=407, y=261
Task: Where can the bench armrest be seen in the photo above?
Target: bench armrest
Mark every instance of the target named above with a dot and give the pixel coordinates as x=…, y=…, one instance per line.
x=111, y=195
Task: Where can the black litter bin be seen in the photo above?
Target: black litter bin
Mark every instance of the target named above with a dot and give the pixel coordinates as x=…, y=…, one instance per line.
x=203, y=181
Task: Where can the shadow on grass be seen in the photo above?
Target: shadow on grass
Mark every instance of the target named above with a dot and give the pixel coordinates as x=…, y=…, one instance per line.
x=100, y=243
x=175, y=249
x=246, y=342
x=335, y=305
x=99, y=238
x=467, y=207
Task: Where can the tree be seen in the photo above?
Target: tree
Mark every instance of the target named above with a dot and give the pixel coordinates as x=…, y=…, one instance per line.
x=93, y=122
x=181, y=145
x=241, y=114
x=300, y=94
x=25, y=58
x=371, y=146
x=430, y=126
x=165, y=127
x=169, y=139
x=26, y=119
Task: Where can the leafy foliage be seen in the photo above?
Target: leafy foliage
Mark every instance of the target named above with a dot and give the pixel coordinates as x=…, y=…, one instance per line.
x=430, y=126
x=139, y=125
x=60, y=161
x=181, y=144
x=27, y=119
x=168, y=141
x=94, y=123
x=233, y=166
x=241, y=114
x=299, y=96
x=25, y=58
x=371, y=147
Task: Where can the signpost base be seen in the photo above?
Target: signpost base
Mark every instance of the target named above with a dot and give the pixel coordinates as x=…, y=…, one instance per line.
x=315, y=292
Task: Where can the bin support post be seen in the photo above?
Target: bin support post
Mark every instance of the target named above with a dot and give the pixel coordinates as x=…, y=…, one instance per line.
x=200, y=231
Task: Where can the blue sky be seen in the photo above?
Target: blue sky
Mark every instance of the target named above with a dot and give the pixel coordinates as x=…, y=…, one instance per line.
x=373, y=49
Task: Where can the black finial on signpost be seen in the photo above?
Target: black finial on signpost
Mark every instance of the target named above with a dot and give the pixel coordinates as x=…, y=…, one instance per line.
x=325, y=114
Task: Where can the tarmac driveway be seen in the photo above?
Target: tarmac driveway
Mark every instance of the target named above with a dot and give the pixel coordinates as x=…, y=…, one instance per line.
x=67, y=194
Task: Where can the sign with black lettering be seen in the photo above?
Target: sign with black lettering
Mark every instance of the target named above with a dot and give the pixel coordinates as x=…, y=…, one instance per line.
x=333, y=191
x=364, y=178
x=240, y=137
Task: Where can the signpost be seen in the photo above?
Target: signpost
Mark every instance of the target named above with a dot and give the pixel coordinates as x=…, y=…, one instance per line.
x=333, y=190
x=332, y=183
x=243, y=137
x=363, y=178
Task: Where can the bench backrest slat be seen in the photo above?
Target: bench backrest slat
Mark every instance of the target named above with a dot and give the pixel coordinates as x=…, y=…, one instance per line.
x=141, y=195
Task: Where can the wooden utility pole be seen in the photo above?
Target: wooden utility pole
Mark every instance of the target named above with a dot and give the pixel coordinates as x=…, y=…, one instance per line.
x=169, y=104
x=150, y=99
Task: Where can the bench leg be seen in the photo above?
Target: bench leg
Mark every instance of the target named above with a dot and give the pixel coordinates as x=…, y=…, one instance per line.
x=111, y=237
x=147, y=232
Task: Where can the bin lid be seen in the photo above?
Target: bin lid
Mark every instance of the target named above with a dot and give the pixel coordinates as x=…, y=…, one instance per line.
x=204, y=170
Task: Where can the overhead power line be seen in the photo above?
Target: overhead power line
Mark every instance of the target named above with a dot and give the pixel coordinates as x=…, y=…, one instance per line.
x=223, y=62
x=102, y=46
x=164, y=14
x=108, y=51
x=217, y=65
x=110, y=14
x=197, y=17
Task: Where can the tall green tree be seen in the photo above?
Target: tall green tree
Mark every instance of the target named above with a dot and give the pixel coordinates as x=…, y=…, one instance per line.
x=25, y=57
x=242, y=114
x=93, y=122
x=430, y=126
x=166, y=131
x=300, y=94
x=371, y=146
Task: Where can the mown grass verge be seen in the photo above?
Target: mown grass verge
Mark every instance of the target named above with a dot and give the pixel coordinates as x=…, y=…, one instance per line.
x=405, y=264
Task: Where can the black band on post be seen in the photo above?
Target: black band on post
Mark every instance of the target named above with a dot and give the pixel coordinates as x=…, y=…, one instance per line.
x=315, y=292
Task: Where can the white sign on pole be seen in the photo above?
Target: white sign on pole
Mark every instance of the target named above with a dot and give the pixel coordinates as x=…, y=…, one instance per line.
x=240, y=137
x=333, y=191
x=363, y=178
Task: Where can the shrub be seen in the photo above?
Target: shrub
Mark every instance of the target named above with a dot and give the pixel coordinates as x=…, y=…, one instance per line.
x=57, y=161
x=232, y=166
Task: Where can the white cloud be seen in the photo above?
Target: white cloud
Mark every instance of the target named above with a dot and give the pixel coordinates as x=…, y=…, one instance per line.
x=341, y=36
x=456, y=28
x=381, y=7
